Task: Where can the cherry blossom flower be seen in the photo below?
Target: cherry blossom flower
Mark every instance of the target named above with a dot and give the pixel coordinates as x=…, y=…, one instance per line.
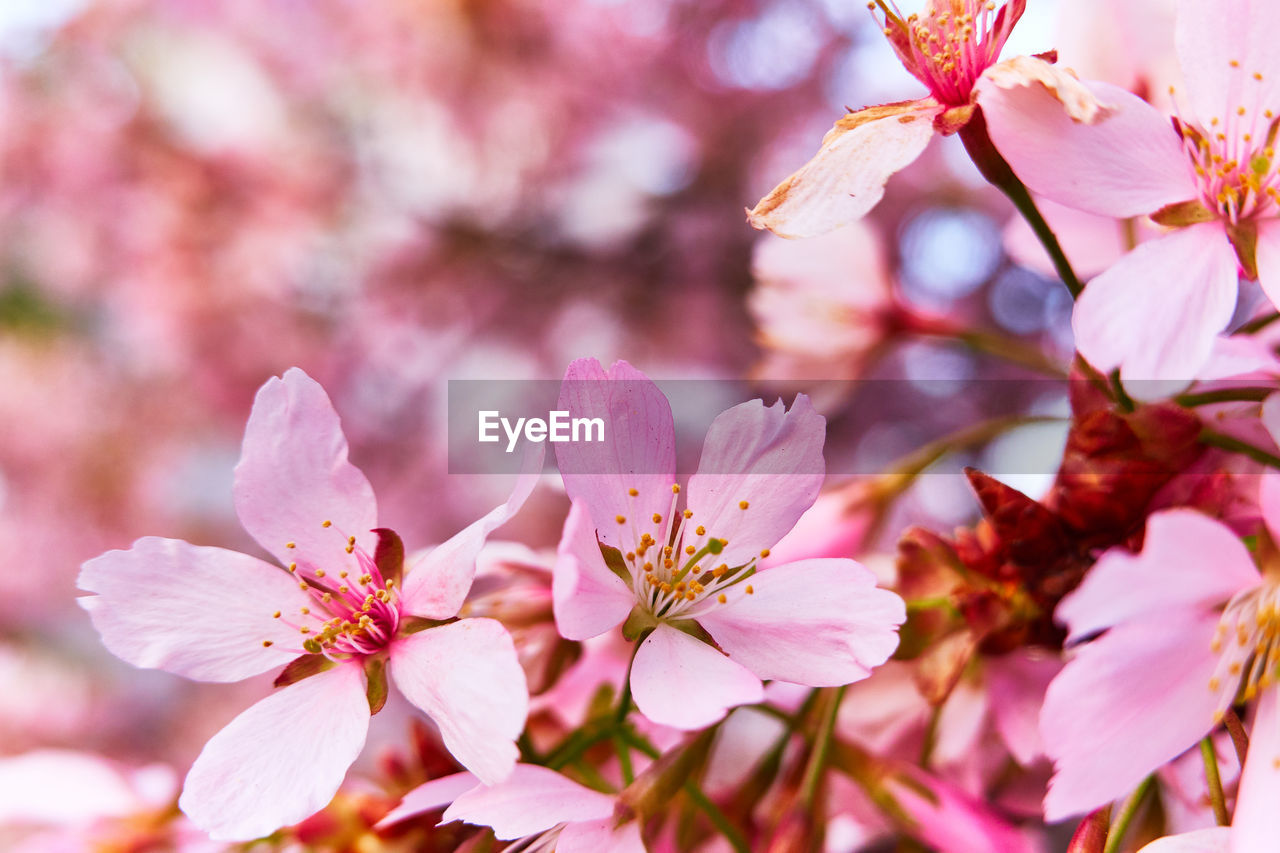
x=535, y=802
x=1209, y=173
x=342, y=618
x=952, y=48
x=1190, y=627
x=1214, y=839
x=631, y=554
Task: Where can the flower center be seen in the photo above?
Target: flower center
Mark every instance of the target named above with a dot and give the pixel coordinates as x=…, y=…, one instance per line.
x=950, y=44
x=351, y=614
x=1248, y=642
x=1234, y=159
x=673, y=562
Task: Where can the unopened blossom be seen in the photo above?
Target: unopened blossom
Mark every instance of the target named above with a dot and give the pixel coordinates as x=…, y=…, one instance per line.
x=674, y=563
x=1190, y=626
x=952, y=47
x=1209, y=173
x=534, y=803
x=339, y=612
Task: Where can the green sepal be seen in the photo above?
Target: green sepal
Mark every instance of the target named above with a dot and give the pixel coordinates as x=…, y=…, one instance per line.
x=388, y=556
x=375, y=672
x=303, y=667
x=639, y=623
x=414, y=624
x=617, y=565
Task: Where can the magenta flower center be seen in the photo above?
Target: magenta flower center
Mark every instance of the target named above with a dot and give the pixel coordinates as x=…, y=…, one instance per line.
x=1234, y=157
x=673, y=561
x=948, y=46
x=1248, y=643
x=352, y=613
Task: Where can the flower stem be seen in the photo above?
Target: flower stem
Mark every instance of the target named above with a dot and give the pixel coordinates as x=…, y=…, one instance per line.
x=821, y=746
x=994, y=344
x=624, y=759
x=999, y=174
x=1213, y=438
x=717, y=818
x=1214, y=781
x=1224, y=395
x=1239, y=737
x=1127, y=813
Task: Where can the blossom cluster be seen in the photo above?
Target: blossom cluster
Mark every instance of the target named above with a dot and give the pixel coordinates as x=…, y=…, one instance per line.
x=855, y=620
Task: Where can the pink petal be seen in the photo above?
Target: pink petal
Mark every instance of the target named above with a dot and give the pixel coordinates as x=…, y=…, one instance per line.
x=467, y=678
x=947, y=819
x=766, y=457
x=1016, y=683
x=191, y=610
x=294, y=475
x=430, y=796
x=1211, y=840
x=684, y=683
x=533, y=799
x=1188, y=560
x=638, y=451
x=1091, y=241
x=1075, y=98
x=1267, y=255
x=1256, y=822
x=1269, y=501
x=818, y=622
x=1128, y=702
x=281, y=760
x=437, y=584
x=588, y=598
x=846, y=178
x=1155, y=312
x=601, y=836
x=1129, y=163
x=1221, y=45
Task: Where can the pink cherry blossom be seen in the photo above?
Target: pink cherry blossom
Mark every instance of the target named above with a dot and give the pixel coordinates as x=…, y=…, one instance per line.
x=680, y=572
x=1210, y=174
x=534, y=802
x=339, y=613
x=1190, y=626
x=951, y=47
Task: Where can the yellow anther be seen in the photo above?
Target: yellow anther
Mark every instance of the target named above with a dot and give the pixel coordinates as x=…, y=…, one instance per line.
x=266, y=644
x=668, y=563
x=344, y=589
x=326, y=523
x=764, y=554
x=304, y=629
x=342, y=574
x=1240, y=111
x=351, y=540
x=350, y=548
x=293, y=567
x=319, y=573
x=1214, y=684
x=631, y=556
x=275, y=615
x=291, y=544
x=621, y=519
x=327, y=597
x=633, y=493
x=690, y=595
x=688, y=513
x=303, y=586
x=657, y=519
x=750, y=590
x=1234, y=63
x=391, y=582
x=305, y=611
x=700, y=530
x=675, y=488
x=689, y=549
